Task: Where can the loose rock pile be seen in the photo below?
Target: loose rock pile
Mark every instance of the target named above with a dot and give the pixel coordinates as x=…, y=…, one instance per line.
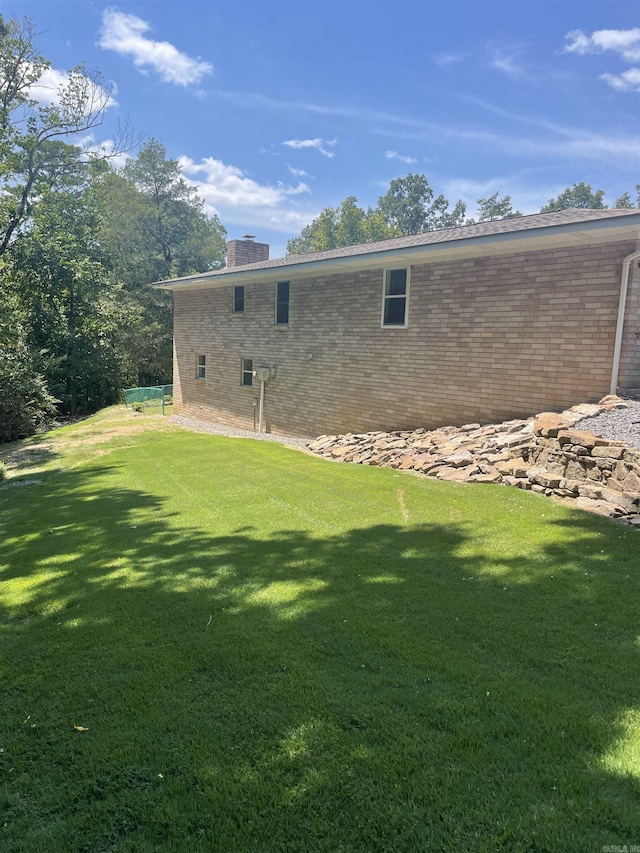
x=546, y=454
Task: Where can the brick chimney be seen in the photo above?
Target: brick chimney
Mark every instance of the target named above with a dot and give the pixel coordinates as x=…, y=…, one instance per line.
x=245, y=251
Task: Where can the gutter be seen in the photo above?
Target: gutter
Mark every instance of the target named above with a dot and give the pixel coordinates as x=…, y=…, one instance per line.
x=622, y=307
x=381, y=255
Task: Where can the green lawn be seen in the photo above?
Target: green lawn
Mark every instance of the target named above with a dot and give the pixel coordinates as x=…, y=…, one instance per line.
x=273, y=652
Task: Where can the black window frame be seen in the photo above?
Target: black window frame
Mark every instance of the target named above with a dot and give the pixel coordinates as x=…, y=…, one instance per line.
x=238, y=299
x=282, y=303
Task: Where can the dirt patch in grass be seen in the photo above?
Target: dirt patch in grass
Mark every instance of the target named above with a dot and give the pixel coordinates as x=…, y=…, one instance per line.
x=115, y=432
x=26, y=455
x=73, y=442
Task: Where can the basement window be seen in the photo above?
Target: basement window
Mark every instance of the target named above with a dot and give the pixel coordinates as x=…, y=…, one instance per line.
x=238, y=299
x=201, y=370
x=247, y=372
x=282, y=303
x=394, y=301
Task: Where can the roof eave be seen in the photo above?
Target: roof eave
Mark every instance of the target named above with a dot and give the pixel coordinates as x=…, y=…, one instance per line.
x=382, y=256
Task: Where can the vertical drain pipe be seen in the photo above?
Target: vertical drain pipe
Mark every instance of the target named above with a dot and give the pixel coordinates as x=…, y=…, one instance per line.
x=261, y=405
x=622, y=306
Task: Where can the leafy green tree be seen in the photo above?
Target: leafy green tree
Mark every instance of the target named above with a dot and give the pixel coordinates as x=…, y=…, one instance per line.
x=577, y=195
x=35, y=139
x=75, y=316
x=25, y=403
x=625, y=202
x=153, y=226
x=408, y=207
x=492, y=208
x=350, y=228
x=132, y=258
x=374, y=226
x=442, y=217
x=406, y=204
x=346, y=225
x=319, y=236
x=170, y=216
x=82, y=243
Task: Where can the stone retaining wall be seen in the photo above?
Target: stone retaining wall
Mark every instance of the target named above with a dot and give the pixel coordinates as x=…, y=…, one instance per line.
x=545, y=454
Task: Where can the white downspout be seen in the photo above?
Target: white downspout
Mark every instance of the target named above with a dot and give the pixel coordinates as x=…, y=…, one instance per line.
x=622, y=307
x=261, y=405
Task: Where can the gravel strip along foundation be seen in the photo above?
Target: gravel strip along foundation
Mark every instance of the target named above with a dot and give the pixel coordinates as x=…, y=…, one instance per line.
x=618, y=424
x=231, y=432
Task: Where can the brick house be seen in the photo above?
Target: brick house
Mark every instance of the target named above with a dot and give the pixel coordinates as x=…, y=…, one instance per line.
x=479, y=323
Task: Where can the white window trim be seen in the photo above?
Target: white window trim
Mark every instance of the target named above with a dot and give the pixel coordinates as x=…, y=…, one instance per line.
x=243, y=371
x=404, y=325
x=275, y=313
x=200, y=367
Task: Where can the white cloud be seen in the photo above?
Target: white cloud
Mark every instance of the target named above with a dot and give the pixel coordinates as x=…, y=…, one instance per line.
x=319, y=144
x=469, y=187
x=125, y=34
x=445, y=59
x=574, y=143
x=298, y=173
x=628, y=81
x=550, y=139
x=578, y=42
x=393, y=155
x=46, y=90
x=300, y=187
x=251, y=100
x=626, y=43
x=239, y=200
x=506, y=63
x=595, y=146
x=558, y=140
x=105, y=148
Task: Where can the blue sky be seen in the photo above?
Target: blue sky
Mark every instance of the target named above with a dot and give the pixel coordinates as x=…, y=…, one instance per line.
x=278, y=109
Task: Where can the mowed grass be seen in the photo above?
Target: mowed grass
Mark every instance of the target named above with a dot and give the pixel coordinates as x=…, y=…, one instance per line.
x=272, y=652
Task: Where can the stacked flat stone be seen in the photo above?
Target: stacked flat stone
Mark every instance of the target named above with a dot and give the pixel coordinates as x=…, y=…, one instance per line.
x=545, y=454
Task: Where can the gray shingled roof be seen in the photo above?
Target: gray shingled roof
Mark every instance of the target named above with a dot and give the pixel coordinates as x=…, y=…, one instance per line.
x=536, y=221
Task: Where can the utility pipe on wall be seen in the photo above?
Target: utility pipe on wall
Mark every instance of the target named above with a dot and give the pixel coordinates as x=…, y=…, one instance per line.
x=622, y=306
x=261, y=410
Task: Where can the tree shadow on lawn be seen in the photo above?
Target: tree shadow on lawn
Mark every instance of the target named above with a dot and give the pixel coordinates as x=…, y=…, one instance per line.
x=389, y=688
x=27, y=456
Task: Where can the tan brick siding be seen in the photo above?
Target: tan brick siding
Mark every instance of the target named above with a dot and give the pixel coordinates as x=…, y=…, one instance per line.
x=487, y=339
x=629, y=378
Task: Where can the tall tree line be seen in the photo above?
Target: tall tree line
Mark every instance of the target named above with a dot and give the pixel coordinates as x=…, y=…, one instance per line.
x=81, y=243
x=410, y=207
